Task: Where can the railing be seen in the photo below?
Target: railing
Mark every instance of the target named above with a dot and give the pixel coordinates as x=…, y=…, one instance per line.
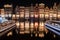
x=6, y=27
x=53, y=26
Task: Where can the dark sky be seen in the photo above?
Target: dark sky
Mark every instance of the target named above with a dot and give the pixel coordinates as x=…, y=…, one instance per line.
x=27, y=2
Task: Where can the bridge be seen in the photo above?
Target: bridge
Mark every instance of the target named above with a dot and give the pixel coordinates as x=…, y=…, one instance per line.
x=7, y=26
x=53, y=26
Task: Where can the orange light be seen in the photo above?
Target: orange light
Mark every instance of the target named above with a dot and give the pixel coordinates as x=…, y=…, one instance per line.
x=36, y=16
x=32, y=25
x=10, y=33
x=22, y=25
x=17, y=16
x=36, y=24
x=13, y=16
x=32, y=15
x=17, y=24
x=41, y=15
x=22, y=14
x=41, y=35
x=58, y=15
x=27, y=25
x=41, y=26
x=46, y=15
x=54, y=15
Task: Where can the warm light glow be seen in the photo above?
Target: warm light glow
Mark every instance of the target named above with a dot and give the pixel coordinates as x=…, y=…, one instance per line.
x=41, y=35
x=17, y=24
x=32, y=14
x=13, y=16
x=21, y=32
x=46, y=15
x=55, y=15
x=2, y=11
x=21, y=14
x=22, y=25
x=58, y=15
x=32, y=25
x=26, y=15
x=41, y=15
x=51, y=15
x=27, y=25
x=41, y=26
x=36, y=15
x=7, y=5
x=10, y=33
x=41, y=11
x=17, y=16
x=36, y=34
x=36, y=24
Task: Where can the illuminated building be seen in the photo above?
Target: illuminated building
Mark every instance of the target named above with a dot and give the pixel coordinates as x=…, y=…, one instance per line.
x=17, y=15
x=41, y=11
x=27, y=11
x=27, y=27
x=2, y=13
x=31, y=26
x=46, y=13
x=58, y=8
x=32, y=11
x=8, y=11
x=55, y=14
x=21, y=28
x=36, y=11
x=28, y=18
x=51, y=13
x=22, y=10
x=41, y=26
x=22, y=13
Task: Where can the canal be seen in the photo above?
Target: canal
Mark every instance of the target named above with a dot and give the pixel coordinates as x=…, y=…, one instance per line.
x=28, y=30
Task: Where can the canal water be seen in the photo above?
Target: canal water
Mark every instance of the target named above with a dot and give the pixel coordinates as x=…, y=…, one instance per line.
x=39, y=32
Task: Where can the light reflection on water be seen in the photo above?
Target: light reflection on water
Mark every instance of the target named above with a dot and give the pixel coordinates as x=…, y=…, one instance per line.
x=40, y=25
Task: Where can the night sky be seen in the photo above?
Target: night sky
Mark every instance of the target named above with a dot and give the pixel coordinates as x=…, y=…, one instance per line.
x=28, y=2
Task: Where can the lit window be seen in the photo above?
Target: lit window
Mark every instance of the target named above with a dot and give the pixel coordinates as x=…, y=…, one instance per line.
x=21, y=14
x=58, y=15
x=32, y=14
x=46, y=15
x=36, y=15
x=36, y=24
x=32, y=25
x=26, y=14
x=41, y=15
x=22, y=25
x=54, y=15
x=51, y=15
x=27, y=25
x=17, y=16
x=17, y=24
x=13, y=16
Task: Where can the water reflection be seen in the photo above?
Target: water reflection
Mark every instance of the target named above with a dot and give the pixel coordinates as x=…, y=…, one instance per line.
x=41, y=35
x=38, y=28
